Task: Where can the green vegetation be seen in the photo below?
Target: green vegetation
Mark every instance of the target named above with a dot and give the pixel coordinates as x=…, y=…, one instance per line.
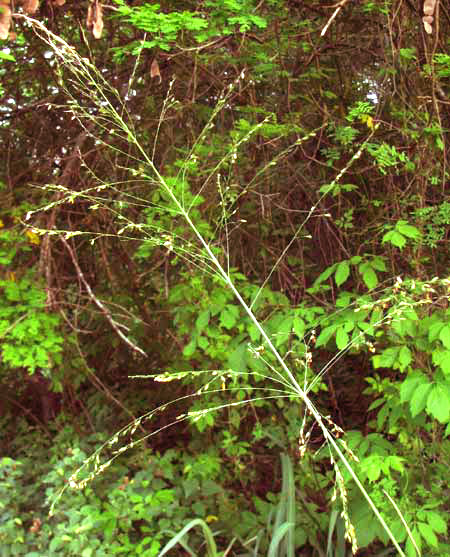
x=224, y=279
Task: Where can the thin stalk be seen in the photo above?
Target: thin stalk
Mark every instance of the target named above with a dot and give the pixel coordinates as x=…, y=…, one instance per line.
x=328, y=436
x=82, y=70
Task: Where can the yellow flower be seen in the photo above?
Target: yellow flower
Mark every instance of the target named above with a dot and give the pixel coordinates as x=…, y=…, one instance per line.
x=33, y=238
x=369, y=122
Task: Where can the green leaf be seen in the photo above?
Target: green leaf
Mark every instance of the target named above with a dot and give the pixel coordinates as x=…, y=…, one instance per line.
x=370, y=278
x=404, y=357
x=325, y=335
x=410, y=550
x=203, y=342
x=237, y=360
x=438, y=402
x=218, y=300
x=441, y=358
x=387, y=358
x=6, y=56
x=344, y=299
x=12, y=291
x=299, y=327
x=407, y=229
x=419, y=398
x=436, y=522
x=398, y=529
x=57, y=542
x=342, y=272
x=396, y=463
x=395, y=238
x=427, y=534
x=341, y=338
x=284, y=330
x=189, y=349
x=325, y=275
x=253, y=332
x=434, y=330
x=228, y=316
x=372, y=467
x=202, y=320
x=409, y=386
x=444, y=336
x=407, y=53
x=376, y=403
x=378, y=263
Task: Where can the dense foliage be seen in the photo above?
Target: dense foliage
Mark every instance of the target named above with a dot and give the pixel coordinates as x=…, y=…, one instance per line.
x=224, y=282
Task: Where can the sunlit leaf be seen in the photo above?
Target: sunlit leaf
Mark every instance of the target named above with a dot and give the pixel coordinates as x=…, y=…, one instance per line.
x=419, y=398
x=395, y=238
x=438, y=402
x=444, y=336
x=341, y=338
x=342, y=272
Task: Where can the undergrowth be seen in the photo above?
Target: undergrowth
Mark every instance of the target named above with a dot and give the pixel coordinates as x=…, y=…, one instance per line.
x=264, y=352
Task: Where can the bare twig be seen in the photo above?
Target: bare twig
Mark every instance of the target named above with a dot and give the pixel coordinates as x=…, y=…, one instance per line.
x=333, y=16
x=98, y=303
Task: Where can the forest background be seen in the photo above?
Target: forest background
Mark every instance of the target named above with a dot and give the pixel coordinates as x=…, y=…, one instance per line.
x=224, y=278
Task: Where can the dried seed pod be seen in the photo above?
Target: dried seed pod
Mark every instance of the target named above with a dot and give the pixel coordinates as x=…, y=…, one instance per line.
x=90, y=17
x=59, y=2
x=154, y=70
x=94, y=20
x=427, y=24
x=98, y=21
x=429, y=6
x=5, y=20
x=428, y=9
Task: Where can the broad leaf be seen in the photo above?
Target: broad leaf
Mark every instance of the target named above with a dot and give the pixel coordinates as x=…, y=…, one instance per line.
x=436, y=522
x=325, y=335
x=441, y=358
x=189, y=349
x=444, y=336
x=228, y=316
x=237, y=360
x=427, y=533
x=6, y=56
x=387, y=358
x=325, y=275
x=404, y=357
x=202, y=320
x=419, y=398
x=408, y=230
x=378, y=263
x=434, y=329
x=341, y=338
x=342, y=272
x=370, y=278
x=438, y=402
x=395, y=238
x=299, y=327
